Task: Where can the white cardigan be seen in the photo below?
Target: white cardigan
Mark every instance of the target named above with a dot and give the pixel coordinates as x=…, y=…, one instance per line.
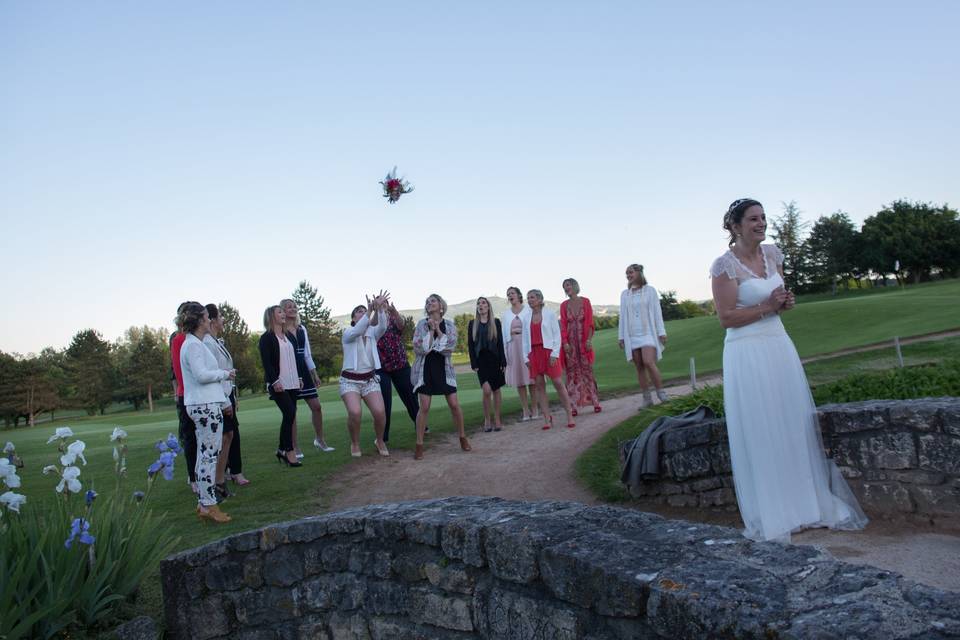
x=506, y=319
x=352, y=343
x=549, y=329
x=650, y=306
x=201, y=374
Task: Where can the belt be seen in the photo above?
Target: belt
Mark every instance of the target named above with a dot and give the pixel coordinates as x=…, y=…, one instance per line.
x=361, y=377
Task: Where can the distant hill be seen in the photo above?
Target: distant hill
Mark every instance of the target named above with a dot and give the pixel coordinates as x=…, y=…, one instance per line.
x=498, y=304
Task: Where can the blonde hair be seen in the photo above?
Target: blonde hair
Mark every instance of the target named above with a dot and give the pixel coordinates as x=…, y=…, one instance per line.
x=537, y=293
x=443, y=303
x=293, y=323
x=268, y=317
x=639, y=269
x=491, y=322
x=573, y=283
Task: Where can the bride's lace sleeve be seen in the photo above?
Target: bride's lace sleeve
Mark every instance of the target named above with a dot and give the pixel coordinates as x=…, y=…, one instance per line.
x=724, y=265
x=773, y=252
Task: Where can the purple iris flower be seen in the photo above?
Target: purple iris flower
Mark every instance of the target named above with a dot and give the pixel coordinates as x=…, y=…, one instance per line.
x=167, y=458
x=90, y=496
x=164, y=463
x=173, y=444
x=78, y=530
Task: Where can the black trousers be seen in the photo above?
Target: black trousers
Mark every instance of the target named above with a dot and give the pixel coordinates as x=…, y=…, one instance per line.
x=400, y=379
x=287, y=402
x=187, y=432
x=234, y=463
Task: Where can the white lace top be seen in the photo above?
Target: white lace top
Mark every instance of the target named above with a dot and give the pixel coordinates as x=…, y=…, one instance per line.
x=731, y=266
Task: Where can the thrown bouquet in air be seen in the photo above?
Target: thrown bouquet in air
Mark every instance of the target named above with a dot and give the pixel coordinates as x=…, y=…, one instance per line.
x=394, y=187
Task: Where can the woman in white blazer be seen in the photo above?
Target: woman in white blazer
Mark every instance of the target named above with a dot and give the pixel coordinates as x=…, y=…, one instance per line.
x=641, y=332
x=204, y=401
x=358, y=376
x=517, y=374
x=541, y=348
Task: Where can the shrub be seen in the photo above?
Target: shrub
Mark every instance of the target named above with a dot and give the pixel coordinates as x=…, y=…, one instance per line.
x=896, y=384
x=73, y=564
x=708, y=396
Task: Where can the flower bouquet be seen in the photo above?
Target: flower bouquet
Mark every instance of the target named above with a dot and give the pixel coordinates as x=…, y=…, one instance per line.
x=394, y=187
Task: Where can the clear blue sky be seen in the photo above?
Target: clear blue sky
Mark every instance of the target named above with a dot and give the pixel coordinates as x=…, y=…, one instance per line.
x=156, y=152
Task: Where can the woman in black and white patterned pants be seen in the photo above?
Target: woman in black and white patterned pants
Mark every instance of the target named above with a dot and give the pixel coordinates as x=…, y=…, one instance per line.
x=204, y=401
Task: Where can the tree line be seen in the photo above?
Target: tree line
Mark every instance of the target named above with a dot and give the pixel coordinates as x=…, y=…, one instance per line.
x=912, y=241
x=91, y=374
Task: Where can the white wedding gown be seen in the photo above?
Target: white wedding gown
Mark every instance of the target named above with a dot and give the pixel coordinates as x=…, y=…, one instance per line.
x=783, y=479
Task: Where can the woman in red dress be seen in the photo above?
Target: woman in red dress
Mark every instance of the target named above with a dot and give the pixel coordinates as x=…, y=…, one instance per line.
x=576, y=333
x=541, y=345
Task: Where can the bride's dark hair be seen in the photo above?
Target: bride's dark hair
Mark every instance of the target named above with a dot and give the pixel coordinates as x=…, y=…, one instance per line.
x=734, y=215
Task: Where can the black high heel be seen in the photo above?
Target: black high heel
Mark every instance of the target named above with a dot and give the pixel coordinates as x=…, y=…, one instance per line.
x=282, y=457
x=222, y=492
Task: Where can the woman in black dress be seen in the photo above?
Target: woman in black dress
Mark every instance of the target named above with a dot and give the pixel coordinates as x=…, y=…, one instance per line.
x=488, y=359
x=307, y=369
x=434, y=340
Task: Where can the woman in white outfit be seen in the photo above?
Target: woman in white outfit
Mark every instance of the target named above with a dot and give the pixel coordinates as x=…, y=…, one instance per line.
x=204, y=401
x=358, y=378
x=783, y=480
x=641, y=331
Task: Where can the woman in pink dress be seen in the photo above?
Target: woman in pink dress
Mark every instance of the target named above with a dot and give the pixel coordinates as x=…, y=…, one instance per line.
x=576, y=334
x=541, y=347
x=517, y=374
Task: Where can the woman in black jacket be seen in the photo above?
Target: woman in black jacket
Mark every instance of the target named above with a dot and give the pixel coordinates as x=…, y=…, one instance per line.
x=488, y=359
x=278, y=354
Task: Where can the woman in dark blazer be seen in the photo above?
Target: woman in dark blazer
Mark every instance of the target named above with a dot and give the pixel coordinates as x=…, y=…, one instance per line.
x=278, y=354
x=488, y=359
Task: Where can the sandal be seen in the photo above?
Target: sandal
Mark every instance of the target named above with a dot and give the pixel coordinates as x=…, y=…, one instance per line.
x=548, y=424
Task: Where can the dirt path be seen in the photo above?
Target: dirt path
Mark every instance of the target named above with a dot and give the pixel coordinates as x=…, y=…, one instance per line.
x=524, y=462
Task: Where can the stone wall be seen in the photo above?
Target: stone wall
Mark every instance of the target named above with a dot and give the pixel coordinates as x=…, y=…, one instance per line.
x=487, y=568
x=899, y=456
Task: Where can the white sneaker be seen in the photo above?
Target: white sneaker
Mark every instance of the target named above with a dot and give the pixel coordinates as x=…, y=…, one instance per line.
x=662, y=395
x=322, y=446
x=647, y=401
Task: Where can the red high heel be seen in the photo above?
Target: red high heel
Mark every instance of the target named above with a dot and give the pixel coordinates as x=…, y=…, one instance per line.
x=597, y=409
x=574, y=412
x=548, y=424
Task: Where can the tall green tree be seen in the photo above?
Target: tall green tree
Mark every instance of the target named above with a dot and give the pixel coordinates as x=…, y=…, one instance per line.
x=28, y=387
x=833, y=251
x=323, y=332
x=918, y=237
x=462, y=321
x=143, y=365
x=788, y=233
x=90, y=371
x=8, y=389
x=246, y=359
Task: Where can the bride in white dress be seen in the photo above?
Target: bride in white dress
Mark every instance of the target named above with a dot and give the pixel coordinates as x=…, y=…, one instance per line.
x=783, y=479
